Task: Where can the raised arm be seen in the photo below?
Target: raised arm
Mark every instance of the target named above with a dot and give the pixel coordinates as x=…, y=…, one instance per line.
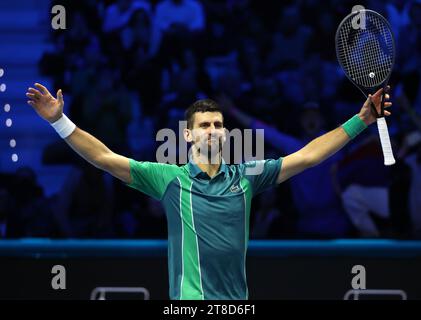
x=86, y=145
x=326, y=145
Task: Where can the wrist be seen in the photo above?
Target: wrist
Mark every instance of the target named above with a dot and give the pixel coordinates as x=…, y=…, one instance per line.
x=51, y=121
x=365, y=119
x=63, y=126
x=354, y=126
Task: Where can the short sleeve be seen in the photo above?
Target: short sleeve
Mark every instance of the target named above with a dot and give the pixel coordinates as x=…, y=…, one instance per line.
x=262, y=174
x=152, y=178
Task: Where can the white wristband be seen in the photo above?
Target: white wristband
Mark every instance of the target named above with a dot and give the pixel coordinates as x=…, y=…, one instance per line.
x=64, y=126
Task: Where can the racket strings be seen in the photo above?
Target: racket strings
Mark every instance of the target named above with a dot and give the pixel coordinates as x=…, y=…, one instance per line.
x=363, y=53
x=366, y=54
x=366, y=59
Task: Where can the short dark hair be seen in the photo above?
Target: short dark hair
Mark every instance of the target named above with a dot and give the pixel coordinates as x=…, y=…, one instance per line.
x=203, y=105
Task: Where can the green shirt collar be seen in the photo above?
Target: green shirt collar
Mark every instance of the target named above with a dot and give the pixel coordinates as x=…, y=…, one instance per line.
x=195, y=171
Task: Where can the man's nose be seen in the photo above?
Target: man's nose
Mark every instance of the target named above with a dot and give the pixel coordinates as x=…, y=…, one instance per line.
x=211, y=129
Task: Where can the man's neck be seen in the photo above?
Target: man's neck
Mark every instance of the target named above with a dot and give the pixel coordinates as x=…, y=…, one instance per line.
x=210, y=166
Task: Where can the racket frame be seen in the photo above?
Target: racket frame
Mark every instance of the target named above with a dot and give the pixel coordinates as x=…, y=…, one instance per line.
x=381, y=124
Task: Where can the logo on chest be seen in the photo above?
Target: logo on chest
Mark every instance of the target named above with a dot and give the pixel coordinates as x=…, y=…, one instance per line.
x=235, y=188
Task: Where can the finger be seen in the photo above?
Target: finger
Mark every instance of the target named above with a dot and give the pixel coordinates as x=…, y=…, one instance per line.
x=31, y=96
x=368, y=101
x=387, y=113
x=372, y=103
x=378, y=93
x=31, y=103
x=42, y=88
x=387, y=96
x=387, y=104
x=34, y=91
x=60, y=96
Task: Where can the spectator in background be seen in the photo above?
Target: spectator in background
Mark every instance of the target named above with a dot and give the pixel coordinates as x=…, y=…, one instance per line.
x=173, y=14
x=266, y=222
x=92, y=10
x=291, y=34
x=225, y=35
x=413, y=160
x=388, y=193
x=152, y=221
x=107, y=109
x=138, y=30
x=264, y=97
x=90, y=61
x=409, y=60
x=364, y=187
x=117, y=15
x=324, y=24
x=116, y=18
x=398, y=16
x=230, y=81
x=80, y=208
x=6, y=210
x=250, y=58
x=176, y=24
x=411, y=150
x=142, y=71
x=382, y=201
x=183, y=82
x=79, y=78
x=70, y=50
x=73, y=43
x=32, y=215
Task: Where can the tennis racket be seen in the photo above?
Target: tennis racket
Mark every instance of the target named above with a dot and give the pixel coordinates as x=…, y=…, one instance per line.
x=365, y=49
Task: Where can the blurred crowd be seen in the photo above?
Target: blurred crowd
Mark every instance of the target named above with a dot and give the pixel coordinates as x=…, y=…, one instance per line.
x=129, y=68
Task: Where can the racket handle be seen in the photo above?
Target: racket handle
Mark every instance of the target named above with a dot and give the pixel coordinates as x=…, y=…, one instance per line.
x=385, y=141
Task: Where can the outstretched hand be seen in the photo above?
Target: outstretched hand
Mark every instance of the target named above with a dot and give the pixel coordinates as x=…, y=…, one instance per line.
x=367, y=114
x=47, y=107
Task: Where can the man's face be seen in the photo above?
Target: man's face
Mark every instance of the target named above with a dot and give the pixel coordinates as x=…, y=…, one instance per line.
x=208, y=133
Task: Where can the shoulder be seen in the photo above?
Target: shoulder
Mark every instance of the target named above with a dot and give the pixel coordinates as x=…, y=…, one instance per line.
x=155, y=166
x=255, y=167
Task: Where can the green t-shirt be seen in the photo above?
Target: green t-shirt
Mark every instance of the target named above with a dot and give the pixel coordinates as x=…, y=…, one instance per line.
x=208, y=222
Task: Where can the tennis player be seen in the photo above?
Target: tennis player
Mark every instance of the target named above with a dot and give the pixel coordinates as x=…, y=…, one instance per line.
x=207, y=202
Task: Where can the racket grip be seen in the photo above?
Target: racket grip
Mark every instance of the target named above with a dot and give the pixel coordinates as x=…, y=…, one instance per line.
x=385, y=142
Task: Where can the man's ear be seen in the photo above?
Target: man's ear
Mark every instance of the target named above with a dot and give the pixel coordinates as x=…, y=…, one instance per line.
x=187, y=135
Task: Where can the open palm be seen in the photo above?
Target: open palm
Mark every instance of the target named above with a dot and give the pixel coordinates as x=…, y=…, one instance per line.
x=48, y=107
